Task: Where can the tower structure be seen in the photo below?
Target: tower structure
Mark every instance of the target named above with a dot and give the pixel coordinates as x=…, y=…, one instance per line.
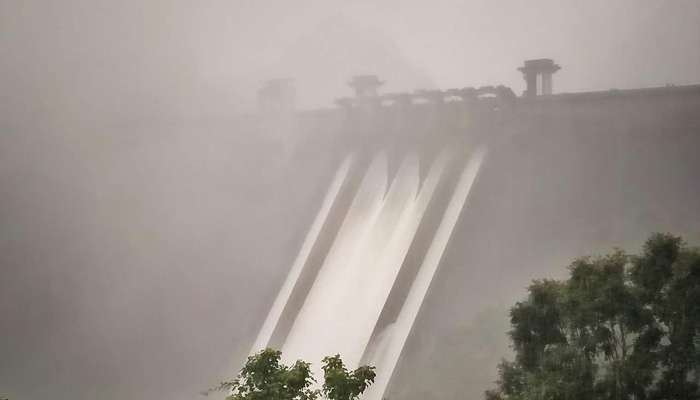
x=538, y=76
x=365, y=85
x=277, y=96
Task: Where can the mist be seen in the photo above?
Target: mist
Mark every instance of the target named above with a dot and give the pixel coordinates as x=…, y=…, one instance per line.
x=146, y=224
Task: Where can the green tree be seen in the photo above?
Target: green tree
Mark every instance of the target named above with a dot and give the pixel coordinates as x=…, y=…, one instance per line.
x=621, y=327
x=265, y=377
x=667, y=276
x=341, y=384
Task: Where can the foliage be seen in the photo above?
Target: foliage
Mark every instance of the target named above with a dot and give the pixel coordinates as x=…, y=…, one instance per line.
x=621, y=327
x=340, y=384
x=265, y=377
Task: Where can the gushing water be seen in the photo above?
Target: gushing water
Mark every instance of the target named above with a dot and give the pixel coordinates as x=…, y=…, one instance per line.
x=275, y=313
x=342, y=308
x=386, y=361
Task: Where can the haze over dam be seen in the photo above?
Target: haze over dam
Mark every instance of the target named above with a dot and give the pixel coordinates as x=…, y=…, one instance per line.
x=565, y=175
x=154, y=202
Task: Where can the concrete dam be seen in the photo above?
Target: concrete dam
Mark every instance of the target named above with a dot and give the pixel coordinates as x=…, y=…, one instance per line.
x=453, y=201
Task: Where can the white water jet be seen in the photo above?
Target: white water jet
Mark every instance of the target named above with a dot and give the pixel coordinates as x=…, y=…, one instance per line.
x=285, y=292
x=322, y=326
x=388, y=358
x=386, y=262
x=343, y=305
x=367, y=280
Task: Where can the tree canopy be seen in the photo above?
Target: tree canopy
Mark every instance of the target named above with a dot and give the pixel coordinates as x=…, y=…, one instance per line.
x=265, y=377
x=621, y=327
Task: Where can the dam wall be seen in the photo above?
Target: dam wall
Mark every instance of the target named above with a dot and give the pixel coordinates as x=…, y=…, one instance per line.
x=559, y=176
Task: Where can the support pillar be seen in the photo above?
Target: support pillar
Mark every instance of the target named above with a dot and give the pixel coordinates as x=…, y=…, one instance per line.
x=546, y=83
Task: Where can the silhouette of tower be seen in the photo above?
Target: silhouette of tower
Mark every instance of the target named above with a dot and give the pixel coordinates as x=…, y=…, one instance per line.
x=277, y=96
x=365, y=85
x=542, y=68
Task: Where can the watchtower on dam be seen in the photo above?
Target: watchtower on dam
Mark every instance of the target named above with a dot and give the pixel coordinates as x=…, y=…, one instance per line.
x=450, y=191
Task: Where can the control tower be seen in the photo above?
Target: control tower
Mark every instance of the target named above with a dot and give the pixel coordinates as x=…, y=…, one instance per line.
x=538, y=76
x=365, y=85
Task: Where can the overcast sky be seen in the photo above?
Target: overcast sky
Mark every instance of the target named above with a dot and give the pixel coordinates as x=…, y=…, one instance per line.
x=89, y=47
x=601, y=44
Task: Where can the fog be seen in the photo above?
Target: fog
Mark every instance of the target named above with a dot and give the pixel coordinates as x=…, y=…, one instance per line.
x=145, y=227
